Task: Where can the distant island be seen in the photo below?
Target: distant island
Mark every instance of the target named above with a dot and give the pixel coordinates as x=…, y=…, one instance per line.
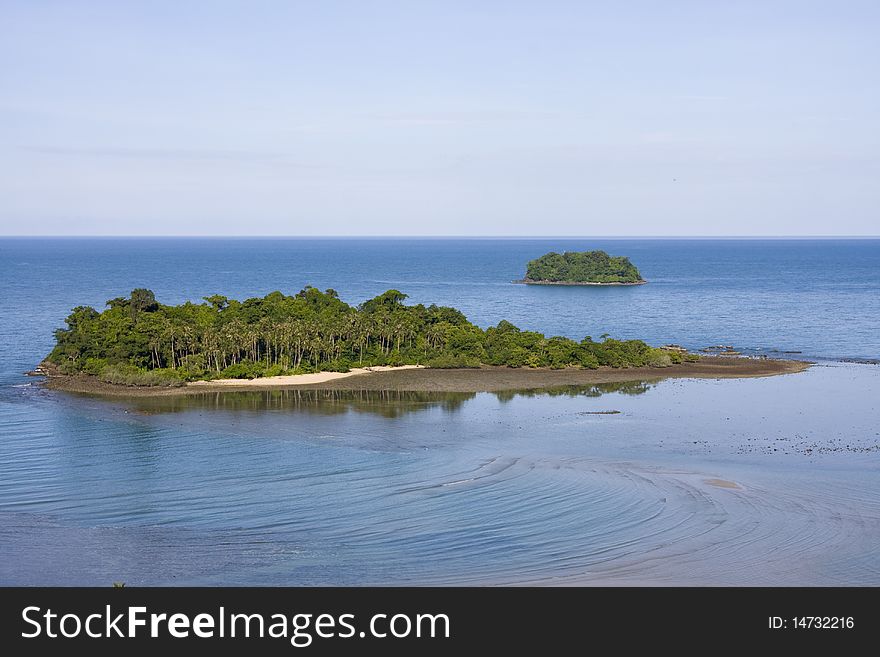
x=137, y=341
x=582, y=268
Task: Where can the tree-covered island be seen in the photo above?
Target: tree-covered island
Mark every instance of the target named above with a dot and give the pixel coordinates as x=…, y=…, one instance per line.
x=582, y=268
x=139, y=341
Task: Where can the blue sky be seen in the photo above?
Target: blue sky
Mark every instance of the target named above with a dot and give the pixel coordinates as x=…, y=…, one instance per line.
x=439, y=118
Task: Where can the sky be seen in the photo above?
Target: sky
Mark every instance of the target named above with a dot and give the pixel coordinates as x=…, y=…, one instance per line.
x=439, y=118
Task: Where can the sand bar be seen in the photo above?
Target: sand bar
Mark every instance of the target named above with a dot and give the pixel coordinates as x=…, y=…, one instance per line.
x=420, y=379
x=299, y=379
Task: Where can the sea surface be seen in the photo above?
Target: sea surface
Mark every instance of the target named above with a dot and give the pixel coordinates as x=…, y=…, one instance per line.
x=754, y=481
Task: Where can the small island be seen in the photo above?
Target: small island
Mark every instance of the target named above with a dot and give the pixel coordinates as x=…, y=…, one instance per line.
x=137, y=341
x=582, y=268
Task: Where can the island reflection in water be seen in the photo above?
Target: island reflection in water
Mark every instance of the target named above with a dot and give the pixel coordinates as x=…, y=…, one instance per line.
x=386, y=403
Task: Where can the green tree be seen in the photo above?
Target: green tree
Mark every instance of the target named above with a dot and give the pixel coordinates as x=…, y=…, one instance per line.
x=585, y=267
x=138, y=339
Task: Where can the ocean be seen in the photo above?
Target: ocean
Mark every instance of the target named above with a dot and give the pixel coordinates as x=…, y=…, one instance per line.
x=754, y=481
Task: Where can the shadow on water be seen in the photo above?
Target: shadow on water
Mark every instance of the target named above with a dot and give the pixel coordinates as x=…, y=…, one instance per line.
x=386, y=403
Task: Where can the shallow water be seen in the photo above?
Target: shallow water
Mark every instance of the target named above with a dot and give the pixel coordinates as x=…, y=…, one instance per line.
x=754, y=481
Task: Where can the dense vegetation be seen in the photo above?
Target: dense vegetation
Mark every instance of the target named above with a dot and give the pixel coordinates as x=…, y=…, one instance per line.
x=138, y=341
x=586, y=267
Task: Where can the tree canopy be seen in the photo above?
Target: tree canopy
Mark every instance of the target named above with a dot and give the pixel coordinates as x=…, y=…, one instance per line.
x=137, y=340
x=582, y=267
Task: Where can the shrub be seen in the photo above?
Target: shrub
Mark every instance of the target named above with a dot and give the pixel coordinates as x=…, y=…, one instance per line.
x=94, y=366
x=447, y=362
x=242, y=370
x=129, y=375
x=190, y=373
x=395, y=360
x=275, y=370
x=658, y=358
x=68, y=367
x=588, y=359
x=517, y=357
x=340, y=365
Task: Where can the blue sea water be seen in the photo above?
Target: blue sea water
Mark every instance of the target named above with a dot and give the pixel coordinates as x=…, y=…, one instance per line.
x=821, y=297
x=754, y=481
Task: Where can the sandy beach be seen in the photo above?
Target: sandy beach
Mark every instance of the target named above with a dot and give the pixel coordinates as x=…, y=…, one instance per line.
x=418, y=378
x=299, y=379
